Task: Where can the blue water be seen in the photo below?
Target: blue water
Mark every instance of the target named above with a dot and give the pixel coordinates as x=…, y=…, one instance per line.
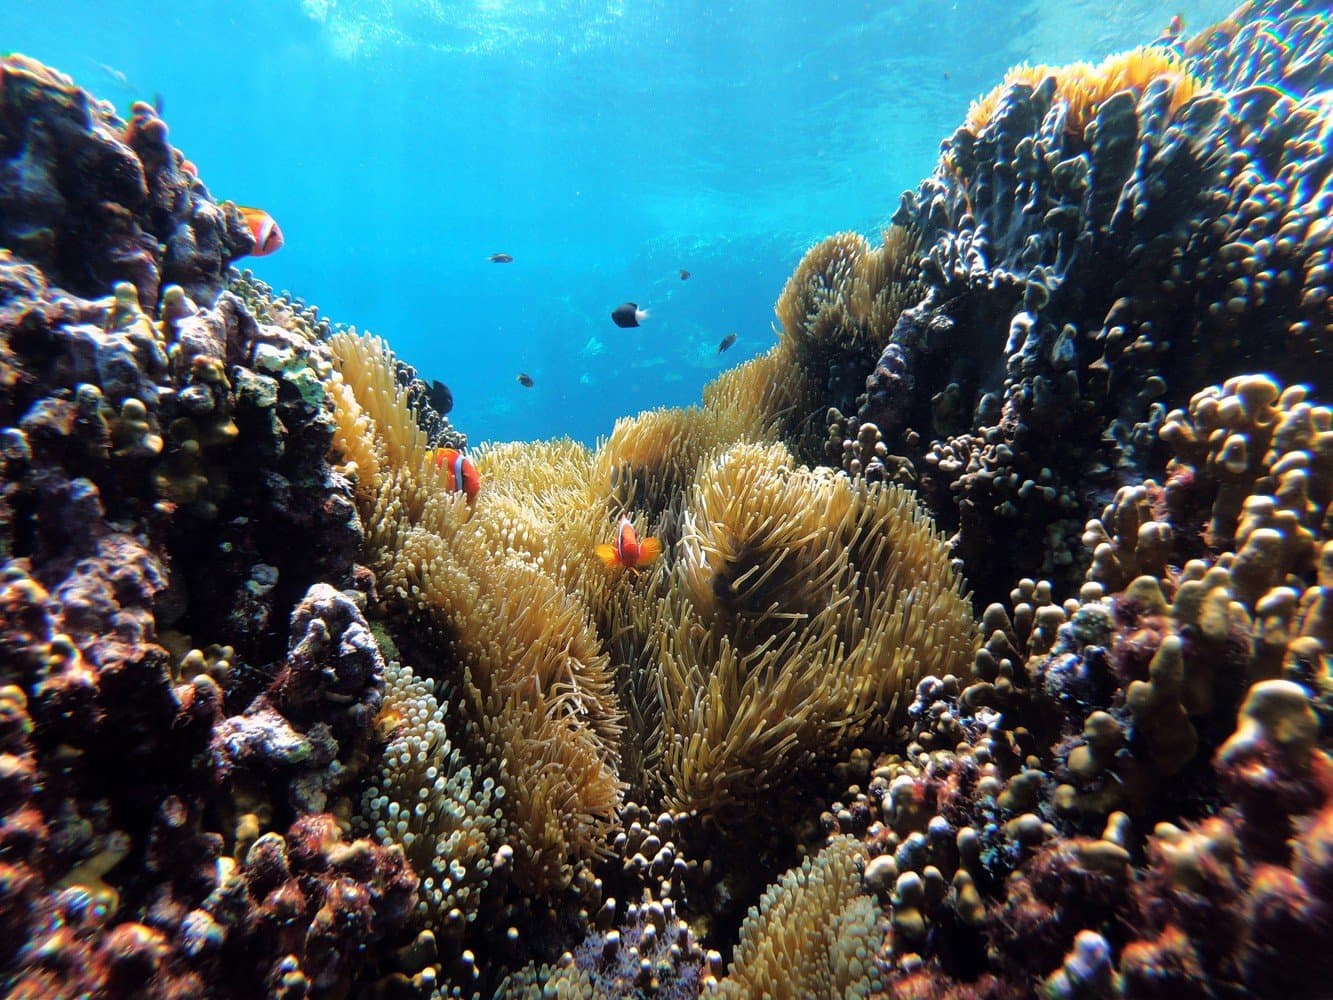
x=605, y=145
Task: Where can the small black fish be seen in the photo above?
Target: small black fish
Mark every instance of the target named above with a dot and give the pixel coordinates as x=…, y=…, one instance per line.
x=525, y=380
x=727, y=341
x=684, y=274
x=440, y=398
x=628, y=314
x=502, y=258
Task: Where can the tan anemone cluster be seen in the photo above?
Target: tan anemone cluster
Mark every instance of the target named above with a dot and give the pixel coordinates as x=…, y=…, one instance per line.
x=650, y=458
x=799, y=609
x=846, y=295
x=754, y=401
x=813, y=934
x=1084, y=86
x=535, y=685
x=792, y=611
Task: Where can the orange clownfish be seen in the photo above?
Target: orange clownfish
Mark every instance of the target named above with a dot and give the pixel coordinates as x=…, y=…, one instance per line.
x=461, y=475
x=629, y=550
x=264, y=228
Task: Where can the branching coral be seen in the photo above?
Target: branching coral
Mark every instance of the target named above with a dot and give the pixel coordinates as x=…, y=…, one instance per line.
x=1237, y=536
x=1081, y=214
x=277, y=309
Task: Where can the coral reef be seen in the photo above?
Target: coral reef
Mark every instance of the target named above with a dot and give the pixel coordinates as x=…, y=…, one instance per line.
x=1096, y=240
x=816, y=580
x=280, y=714
x=162, y=449
x=92, y=200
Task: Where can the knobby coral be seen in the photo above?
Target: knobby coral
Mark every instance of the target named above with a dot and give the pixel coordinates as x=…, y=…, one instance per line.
x=1082, y=87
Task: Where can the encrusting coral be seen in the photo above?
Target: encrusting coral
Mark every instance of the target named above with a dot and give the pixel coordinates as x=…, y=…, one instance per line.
x=128, y=210
x=162, y=448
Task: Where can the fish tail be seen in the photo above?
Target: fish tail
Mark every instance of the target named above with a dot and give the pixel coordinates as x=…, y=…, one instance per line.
x=649, y=549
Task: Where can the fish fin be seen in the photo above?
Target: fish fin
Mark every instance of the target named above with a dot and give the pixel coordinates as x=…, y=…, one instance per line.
x=607, y=553
x=649, y=549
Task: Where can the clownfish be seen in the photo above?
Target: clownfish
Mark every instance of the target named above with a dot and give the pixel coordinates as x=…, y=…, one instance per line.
x=461, y=475
x=264, y=228
x=629, y=550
